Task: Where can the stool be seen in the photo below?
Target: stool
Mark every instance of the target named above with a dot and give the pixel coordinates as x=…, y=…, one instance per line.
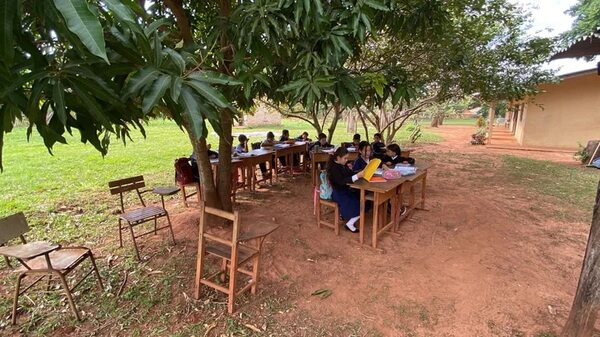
x=336, y=216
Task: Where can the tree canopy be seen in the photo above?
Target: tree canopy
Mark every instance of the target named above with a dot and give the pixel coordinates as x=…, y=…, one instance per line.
x=587, y=19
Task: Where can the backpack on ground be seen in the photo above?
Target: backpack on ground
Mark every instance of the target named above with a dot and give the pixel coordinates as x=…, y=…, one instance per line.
x=325, y=189
x=183, y=171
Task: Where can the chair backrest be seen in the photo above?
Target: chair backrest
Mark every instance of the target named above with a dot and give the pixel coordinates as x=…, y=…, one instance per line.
x=125, y=185
x=256, y=146
x=12, y=227
x=231, y=216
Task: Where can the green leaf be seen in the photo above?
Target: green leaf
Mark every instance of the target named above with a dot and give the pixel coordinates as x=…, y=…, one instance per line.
x=157, y=51
x=58, y=96
x=214, y=77
x=376, y=5
x=294, y=85
x=176, y=88
x=156, y=93
x=319, y=6
x=82, y=22
x=154, y=26
x=177, y=59
x=141, y=80
x=92, y=107
x=189, y=102
x=8, y=12
x=122, y=12
x=209, y=93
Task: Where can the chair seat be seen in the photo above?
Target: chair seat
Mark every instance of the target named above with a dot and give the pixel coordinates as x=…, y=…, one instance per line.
x=61, y=259
x=329, y=203
x=143, y=213
x=224, y=251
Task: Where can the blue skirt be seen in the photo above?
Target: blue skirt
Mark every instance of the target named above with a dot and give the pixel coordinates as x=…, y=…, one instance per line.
x=348, y=200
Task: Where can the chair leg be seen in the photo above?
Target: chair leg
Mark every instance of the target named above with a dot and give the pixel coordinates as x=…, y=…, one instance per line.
x=137, y=252
x=318, y=205
x=171, y=229
x=16, y=298
x=255, y=265
x=96, y=271
x=7, y=262
x=232, y=284
x=49, y=282
x=69, y=296
x=155, y=225
x=184, y=195
x=120, y=234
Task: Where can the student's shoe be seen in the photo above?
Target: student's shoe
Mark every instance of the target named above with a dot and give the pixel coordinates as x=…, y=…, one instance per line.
x=356, y=230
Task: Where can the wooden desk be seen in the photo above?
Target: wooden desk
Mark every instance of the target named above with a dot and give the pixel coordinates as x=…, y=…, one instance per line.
x=236, y=165
x=383, y=192
x=253, y=158
x=288, y=153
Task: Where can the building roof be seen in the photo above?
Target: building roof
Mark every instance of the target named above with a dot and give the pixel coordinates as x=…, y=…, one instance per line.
x=584, y=46
x=581, y=73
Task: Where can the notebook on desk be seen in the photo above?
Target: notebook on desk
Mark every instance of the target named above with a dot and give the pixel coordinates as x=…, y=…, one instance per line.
x=371, y=168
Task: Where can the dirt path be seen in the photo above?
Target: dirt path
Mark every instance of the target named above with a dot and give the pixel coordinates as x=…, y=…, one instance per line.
x=484, y=260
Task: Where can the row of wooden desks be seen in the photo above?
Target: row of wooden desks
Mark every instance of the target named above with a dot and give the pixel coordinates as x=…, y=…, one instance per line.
x=246, y=163
x=388, y=193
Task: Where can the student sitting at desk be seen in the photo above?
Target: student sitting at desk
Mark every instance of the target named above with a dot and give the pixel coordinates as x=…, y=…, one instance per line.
x=320, y=144
x=303, y=137
x=378, y=146
x=270, y=141
x=364, y=156
x=340, y=175
x=356, y=141
x=285, y=135
x=242, y=147
x=393, y=157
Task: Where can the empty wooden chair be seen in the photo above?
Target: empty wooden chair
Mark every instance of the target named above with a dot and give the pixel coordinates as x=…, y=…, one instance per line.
x=235, y=253
x=128, y=219
x=43, y=260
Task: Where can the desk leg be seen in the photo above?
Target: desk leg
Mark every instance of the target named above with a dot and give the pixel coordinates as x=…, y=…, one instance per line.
x=362, y=217
x=375, y=224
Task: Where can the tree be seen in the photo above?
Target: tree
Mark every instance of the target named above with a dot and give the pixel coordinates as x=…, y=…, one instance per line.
x=587, y=20
x=482, y=48
x=584, y=311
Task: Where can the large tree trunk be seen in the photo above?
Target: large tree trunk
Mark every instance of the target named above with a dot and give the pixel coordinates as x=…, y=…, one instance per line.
x=587, y=298
x=441, y=119
x=225, y=145
x=434, y=121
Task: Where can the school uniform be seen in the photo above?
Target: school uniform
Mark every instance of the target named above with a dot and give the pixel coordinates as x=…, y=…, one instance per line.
x=359, y=164
x=378, y=149
x=398, y=160
x=347, y=198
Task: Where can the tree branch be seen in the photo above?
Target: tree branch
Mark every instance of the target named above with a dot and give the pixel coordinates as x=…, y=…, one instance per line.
x=176, y=7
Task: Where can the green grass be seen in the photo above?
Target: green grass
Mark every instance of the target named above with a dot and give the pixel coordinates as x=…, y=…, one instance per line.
x=573, y=185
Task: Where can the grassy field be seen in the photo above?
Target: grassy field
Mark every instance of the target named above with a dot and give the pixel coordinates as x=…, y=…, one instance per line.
x=574, y=186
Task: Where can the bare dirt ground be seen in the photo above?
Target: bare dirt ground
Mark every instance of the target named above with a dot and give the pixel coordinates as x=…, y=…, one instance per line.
x=487, y=258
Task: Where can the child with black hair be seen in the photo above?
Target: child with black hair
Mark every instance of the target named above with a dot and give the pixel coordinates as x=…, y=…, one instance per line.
x=348, y=199
x=321, y=143
x=393, y=157
x=378, y=146
x=356, y=141
x=364, y=156
x=285, y=135
x=270, y=141
x=303, y=137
